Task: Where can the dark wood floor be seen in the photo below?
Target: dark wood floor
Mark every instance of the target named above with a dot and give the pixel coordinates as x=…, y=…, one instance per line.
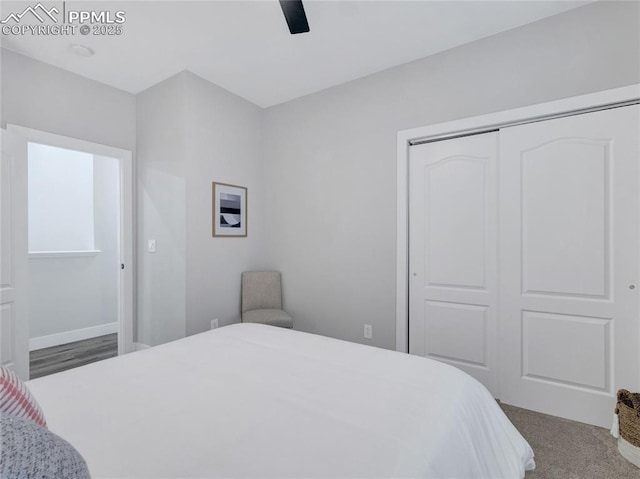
x=68, y=356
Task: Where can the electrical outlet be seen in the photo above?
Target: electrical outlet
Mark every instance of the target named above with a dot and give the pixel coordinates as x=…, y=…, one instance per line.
x=214, y=323
x=368, y=331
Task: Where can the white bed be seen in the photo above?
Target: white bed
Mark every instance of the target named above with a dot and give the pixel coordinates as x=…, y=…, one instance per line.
x=250, y=400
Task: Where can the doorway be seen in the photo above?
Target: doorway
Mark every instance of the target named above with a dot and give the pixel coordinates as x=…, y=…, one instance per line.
x=79, y=265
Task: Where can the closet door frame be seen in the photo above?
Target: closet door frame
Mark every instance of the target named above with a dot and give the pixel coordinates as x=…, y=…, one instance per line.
x=478, y=124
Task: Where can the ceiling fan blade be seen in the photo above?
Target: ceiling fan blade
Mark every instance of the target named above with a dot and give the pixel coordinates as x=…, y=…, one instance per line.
x=294, y=13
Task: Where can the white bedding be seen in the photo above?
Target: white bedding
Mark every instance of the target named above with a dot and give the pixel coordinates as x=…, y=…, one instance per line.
x=257, y=401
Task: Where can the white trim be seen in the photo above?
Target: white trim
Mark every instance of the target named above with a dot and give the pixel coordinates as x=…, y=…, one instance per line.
x=46, y=138
x=126, y=291
x=466, y=126
x=141, y=346
x=63, y=254
x=57, y=339
x=402, y=247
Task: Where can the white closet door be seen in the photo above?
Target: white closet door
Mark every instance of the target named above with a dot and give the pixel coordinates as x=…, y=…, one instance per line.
x=452, y=254
x=14, y=328
x=569, y=325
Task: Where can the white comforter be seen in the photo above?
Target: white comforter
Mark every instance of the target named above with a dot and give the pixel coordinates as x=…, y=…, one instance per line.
x=257, y=401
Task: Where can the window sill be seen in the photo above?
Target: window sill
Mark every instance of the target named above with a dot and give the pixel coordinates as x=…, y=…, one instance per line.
x=63, y=254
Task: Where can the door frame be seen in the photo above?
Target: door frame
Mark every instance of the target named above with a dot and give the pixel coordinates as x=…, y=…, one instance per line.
x=125, y=158
x=478, y=124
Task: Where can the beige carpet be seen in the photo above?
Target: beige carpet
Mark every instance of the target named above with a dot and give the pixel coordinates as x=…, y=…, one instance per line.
x=570, y=450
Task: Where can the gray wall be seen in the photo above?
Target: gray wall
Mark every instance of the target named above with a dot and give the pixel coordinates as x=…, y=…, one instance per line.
x=190, y=133
x=224, y=144
x=43, y=97
x=331, y=156
x=161, y=206
x=65, y=295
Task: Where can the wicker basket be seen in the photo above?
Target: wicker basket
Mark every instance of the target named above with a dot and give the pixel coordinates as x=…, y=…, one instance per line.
x=628, y=411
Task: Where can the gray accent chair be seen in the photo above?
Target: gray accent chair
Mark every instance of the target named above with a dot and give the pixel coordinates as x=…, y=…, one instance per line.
x=262, y=299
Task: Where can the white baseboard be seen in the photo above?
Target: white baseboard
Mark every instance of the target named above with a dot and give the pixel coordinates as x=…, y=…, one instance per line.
x=141, y=346
x=42, y=342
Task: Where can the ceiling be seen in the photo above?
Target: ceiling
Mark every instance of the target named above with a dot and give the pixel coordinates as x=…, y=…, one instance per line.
x=246, y=48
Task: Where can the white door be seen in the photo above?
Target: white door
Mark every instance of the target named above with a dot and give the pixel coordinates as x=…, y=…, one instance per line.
x=569, y=242
x=452, y=254
x=14, y=329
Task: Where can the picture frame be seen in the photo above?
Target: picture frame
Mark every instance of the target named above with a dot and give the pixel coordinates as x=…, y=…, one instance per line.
x=229, y=210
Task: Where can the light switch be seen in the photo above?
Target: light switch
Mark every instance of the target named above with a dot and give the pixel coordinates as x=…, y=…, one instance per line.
x=151, y=246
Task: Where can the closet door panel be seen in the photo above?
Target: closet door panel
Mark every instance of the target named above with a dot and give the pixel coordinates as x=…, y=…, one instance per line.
x=455, y=211
x=565, y=218
x=452, y=303
x=569, y=212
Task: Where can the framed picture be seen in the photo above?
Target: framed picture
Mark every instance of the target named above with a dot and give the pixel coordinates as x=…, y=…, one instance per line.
x=229, y=210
